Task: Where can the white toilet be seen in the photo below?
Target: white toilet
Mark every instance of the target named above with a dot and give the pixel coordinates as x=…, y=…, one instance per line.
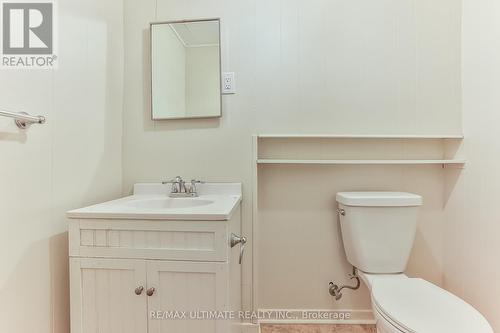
x=378, y=230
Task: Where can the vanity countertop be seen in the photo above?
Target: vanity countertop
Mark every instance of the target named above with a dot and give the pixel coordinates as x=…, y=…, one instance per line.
x=216, y=202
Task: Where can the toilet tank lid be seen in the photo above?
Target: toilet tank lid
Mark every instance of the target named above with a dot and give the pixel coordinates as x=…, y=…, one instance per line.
x=379, y=199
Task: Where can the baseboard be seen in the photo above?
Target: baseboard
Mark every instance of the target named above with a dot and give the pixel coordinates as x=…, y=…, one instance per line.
x=309, y=316
x=250, y=328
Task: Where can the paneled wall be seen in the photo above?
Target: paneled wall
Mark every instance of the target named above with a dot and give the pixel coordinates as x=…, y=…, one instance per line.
x=71, y=161
x=472, y=217
x=316, y=66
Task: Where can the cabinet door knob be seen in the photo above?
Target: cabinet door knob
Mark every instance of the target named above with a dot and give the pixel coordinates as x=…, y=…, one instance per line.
x=150, y=291
x=139, y=290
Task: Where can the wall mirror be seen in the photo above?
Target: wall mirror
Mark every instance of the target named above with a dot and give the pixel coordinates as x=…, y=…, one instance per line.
x=185, y=69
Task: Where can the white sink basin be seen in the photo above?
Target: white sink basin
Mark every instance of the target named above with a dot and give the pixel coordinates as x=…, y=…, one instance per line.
x=167, y=203
x=216, y=202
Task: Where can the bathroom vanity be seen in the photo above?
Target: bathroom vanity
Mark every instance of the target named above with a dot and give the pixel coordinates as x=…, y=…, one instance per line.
x=151, y=263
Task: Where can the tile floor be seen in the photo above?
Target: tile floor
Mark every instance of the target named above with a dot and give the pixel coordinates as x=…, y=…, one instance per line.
x=317, y=328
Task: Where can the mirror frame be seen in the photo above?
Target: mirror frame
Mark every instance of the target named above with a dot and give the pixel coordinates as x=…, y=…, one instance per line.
x=151, y=24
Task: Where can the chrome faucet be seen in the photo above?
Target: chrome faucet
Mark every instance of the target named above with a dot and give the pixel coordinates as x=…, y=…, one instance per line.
x=180, y=190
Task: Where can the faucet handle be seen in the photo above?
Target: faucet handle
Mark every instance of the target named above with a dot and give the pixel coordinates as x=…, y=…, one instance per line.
x=193, y=188
x=177, y=184
x=194, y=182
x=175, y=180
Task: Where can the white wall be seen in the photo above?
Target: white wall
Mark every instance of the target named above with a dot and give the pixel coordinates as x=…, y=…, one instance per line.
x=299, y=243
x=473, y=221
x=317, y=66
x=186, y=80
x=71, y=161
x=203, y=81
x=169, y=58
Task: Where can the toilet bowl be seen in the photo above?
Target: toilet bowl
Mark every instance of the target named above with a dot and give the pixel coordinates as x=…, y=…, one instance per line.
x=378, y=229
x=408, y=305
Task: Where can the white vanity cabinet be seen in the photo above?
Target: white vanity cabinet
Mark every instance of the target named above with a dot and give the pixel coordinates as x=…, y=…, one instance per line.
x=133, y=275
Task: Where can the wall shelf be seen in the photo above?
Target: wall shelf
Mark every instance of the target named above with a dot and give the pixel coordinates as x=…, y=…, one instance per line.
x=354, y=136
x=362, y=162
x=344, y=149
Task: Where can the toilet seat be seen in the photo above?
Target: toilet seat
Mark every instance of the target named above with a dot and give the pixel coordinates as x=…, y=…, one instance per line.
x=389, y=325
x=417, y=306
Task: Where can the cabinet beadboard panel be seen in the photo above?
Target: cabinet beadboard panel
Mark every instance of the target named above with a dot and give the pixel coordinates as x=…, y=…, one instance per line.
x=105, y=292
x=148, y=239
x=191, y=287
x=318, y=328
x=176, y=240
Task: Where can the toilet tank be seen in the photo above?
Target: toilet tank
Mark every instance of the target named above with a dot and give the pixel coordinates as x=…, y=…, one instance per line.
x=378, y=229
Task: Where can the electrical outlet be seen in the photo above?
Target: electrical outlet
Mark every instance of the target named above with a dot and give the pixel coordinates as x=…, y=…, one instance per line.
x=228, y=84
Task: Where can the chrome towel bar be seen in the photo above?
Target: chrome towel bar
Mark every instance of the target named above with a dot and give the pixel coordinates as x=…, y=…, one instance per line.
x=22, y=119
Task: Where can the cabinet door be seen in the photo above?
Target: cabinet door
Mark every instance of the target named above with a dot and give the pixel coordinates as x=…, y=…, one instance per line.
x=104, y=298
x=187, y=287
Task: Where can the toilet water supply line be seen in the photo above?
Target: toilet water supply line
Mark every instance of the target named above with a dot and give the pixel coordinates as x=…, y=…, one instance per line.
x=336, y=290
